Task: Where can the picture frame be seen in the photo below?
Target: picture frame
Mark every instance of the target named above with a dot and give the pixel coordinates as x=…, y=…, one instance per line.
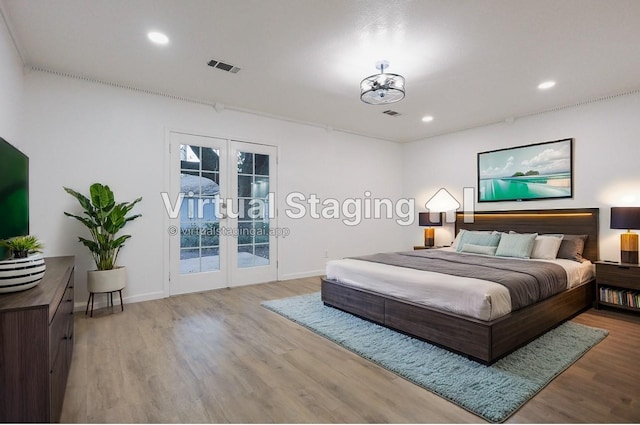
x=526, y=173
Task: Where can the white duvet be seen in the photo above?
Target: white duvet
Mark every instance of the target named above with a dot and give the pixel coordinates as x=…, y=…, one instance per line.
x=477, y=298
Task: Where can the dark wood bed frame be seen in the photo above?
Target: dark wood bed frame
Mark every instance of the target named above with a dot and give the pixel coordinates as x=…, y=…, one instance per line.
x=480, y=340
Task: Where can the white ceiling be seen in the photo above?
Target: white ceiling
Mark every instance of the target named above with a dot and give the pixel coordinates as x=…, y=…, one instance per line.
x=466, y=62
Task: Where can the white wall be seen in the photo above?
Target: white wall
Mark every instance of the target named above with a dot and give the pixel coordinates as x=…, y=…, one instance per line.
x=11, y=88
x=606, y=152
x=78, y=132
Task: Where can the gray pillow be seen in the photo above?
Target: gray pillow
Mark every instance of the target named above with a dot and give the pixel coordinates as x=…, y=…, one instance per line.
x=572, y=247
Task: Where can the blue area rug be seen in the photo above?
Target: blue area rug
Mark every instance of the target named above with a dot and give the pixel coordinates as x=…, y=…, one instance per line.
x=493, y=392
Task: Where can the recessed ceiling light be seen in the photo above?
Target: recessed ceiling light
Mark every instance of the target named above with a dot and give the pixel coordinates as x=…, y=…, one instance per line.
x=546, y=85
x=158, y=37
x=428, y=118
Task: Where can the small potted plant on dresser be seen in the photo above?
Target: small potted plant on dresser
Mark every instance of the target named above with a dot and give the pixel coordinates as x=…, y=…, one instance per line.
x=104, y=218
x=25, y=267
x=22, y=246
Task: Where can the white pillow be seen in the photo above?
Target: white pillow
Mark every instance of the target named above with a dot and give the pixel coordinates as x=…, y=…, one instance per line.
x=546, y=247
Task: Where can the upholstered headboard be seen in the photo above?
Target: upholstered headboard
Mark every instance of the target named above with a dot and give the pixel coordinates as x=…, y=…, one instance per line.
x=575, y=221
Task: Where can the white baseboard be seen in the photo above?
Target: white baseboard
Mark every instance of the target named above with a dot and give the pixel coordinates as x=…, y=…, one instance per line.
x=302, y=275
x=100, y=301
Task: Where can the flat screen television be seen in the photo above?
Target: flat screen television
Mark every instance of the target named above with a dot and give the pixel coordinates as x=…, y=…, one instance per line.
x=14, y=193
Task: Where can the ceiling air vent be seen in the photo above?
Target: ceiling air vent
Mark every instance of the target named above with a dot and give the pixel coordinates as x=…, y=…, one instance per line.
x=223, y=66
x=391, y=113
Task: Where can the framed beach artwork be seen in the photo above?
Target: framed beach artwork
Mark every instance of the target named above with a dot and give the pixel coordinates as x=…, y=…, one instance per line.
x=526, y=173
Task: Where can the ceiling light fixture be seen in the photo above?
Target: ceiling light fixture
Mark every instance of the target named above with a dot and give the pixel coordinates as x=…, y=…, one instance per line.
x=546, y=85
x=428, y=118
x=379, y=89
x=158, y=37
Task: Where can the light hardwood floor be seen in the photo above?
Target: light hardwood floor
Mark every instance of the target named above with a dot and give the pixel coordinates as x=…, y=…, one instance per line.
x=219, y=356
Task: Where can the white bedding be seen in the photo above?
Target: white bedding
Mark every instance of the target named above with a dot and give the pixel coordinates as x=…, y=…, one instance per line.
x=477, y=298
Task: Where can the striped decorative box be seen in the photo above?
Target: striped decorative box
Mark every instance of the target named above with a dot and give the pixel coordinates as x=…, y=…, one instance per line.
x=21, y=273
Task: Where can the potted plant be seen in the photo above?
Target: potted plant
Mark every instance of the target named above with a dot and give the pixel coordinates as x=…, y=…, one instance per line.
x=22, y=270
x=22, y=246
x=104, y=218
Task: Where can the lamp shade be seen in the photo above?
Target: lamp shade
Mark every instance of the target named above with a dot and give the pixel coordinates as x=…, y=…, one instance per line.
x=429, y=219
x=625, y=218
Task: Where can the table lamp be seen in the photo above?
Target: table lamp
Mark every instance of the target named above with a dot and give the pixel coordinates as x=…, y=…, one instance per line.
x=429, y=220
x=627, y=218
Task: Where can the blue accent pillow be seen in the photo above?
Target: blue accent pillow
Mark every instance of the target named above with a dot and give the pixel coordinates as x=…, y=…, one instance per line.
x=477, y=238
x=479, y=249
x=516, y=245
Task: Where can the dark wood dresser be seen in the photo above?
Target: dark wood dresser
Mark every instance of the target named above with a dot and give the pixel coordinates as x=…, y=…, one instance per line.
x=36, y=345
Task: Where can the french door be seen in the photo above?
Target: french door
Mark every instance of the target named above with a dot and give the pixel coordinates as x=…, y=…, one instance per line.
x=221, y=213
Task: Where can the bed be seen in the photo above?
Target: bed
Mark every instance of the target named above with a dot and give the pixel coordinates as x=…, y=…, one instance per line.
x=483, y=338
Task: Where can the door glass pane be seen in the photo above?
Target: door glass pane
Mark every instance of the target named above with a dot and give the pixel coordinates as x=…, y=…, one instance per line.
x=189, y=157
x=210, y=259
x=211, y=236
x=245, y=186
x=189, y=237
x=262, y=164
x=199, y=227
x=189, y=261
x=245, y=163
x=261, y=232
x=260, y=188
x=210, y=183
x=245, y=256
x=210, y=159
x=245, y=233
x=262, y=254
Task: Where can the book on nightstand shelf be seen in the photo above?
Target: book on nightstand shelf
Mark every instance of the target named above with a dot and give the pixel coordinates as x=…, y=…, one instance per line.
x=620, y=297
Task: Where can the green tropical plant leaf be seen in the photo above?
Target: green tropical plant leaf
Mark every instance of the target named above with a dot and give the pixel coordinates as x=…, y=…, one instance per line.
x=101, y=197
x=86, y=221
x=84, y=201
x=120, y=241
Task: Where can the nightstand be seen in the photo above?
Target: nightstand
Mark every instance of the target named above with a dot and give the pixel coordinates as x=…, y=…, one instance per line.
x=618, y=285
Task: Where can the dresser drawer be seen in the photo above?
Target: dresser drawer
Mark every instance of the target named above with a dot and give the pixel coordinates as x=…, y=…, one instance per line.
x=58, y=383
x=618, y=275
x=61, y=325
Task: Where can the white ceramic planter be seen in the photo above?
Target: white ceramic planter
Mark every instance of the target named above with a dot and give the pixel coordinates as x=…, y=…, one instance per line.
x=106, y=280
x=21, y=273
